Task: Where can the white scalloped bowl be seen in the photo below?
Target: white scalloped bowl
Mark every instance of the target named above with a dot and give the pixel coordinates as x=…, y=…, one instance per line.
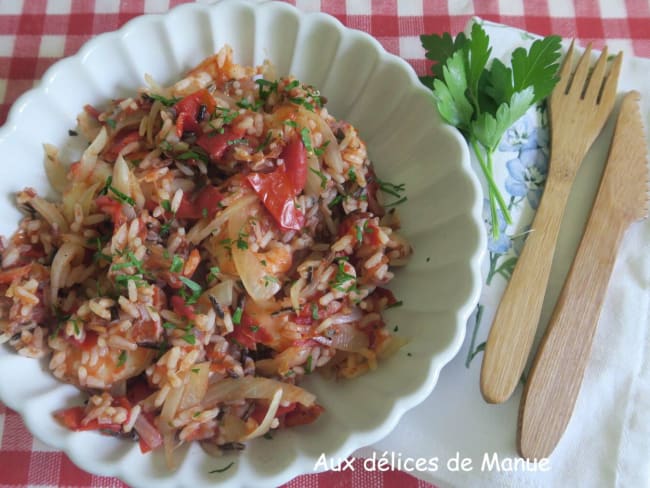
x=377, y=92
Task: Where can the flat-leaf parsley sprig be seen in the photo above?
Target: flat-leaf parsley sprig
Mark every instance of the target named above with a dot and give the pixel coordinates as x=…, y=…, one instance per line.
x=484, y=102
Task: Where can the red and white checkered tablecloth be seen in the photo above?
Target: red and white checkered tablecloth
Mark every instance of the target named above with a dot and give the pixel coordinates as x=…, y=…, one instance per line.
x=36, y=33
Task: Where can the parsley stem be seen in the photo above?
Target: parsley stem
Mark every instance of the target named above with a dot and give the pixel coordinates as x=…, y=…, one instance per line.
x=493, y=190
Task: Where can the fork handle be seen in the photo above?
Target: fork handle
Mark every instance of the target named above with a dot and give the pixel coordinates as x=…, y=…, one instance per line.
x=513, y=328
x=558, y=368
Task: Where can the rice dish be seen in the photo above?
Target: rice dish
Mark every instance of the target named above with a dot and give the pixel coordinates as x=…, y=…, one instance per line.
x=218, y=240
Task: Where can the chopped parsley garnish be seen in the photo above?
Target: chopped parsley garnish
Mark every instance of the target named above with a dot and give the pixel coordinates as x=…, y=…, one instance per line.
x=167, y=102
x=193, y=155
x=196, y=414
x=320, y=150
x=60, y=319
x=308, y=365
x=99, y=254
x=292, y=85
x=241, y=241
x=189, y=337
x=397, y=202
x=72, y=133
x=121, y=359
x=111, y=123
x=264, y=143
x=225, y=114
x=396, y=328
x=166, y=228
x=409, y=354
x=314, y=311
x=118, y=194
x=245, y=104
x=268, y=435
x=266, y=87
x=195, y=370
x=342, y=278
x=168, y=325
x=77, y=331
x=306, y=139
x=227, y=243
x=269, y=279
x=391, y=189
x=352, y=175
x=132, y=262
x=255, y=328
x=166, y=205
x=323, y=178
x=236, y=317
x=166, y=146
x=359, y=233
x=335, y=201
x=221, y=470
x=395, y=305
x=194, y=287
x=241, y=140
x=263, y=262
x=177, y=264
x=214, y=271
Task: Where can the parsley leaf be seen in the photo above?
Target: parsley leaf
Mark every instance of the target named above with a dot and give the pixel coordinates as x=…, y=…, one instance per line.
x=484, y=102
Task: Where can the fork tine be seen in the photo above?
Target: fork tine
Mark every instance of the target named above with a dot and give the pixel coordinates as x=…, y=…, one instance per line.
x=608, y=94
x=565, y=70
x=597, y=77
x=581, y=72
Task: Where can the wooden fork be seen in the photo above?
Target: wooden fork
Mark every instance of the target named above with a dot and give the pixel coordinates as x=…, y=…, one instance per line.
x=578, y=108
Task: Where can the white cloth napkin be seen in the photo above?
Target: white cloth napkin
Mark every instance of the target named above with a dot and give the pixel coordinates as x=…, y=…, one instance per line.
x=607, y=442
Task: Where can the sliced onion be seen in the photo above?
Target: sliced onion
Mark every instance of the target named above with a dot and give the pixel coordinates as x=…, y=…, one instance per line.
x=332, y=154
x=90, y=155
x=265, y=425
x=391, y=346
x=49, y=212
x=147, y=431
x=204, y=227
x=61, y=266
x=170, y=407
x=125, y=181
x=254, y=275
x=348, y=338
x=290, y=357
x=196, y=387
x=313, y=184
x=223, y=292
x=354, y=315
x=56, y=172
x=232, y=389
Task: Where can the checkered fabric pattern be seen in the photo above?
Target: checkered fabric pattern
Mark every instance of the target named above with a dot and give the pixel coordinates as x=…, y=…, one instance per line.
x=36, y=33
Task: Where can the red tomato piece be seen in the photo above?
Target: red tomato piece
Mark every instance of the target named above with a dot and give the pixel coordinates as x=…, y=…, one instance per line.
x=188, y=109
x=215, y=144
x=277, y=194
x=72, y=419
x=294, y=155
x=208, y=199
x=248, y=334
x=302, y=415
x=182, y=308
x=260, y=411
x=113, y=208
